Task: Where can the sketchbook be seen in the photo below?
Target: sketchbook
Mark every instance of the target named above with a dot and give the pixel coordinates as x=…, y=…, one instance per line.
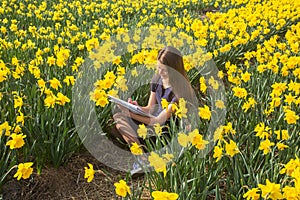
x=133, y=108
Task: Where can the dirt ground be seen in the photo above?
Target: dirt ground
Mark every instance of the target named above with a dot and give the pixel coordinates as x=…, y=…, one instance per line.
x=68, y=182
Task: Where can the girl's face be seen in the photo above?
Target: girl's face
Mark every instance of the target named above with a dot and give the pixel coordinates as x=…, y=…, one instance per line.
x=162, y=70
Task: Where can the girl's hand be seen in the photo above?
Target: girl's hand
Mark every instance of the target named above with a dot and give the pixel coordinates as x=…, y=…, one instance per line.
x=132, y=102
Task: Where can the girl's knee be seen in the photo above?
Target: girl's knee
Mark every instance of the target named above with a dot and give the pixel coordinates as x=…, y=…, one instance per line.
x=119, y=115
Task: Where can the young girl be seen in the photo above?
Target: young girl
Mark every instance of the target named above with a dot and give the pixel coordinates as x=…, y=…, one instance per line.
x=170, y=83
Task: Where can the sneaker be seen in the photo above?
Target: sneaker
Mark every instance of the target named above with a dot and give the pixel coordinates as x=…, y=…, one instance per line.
x=139, y=167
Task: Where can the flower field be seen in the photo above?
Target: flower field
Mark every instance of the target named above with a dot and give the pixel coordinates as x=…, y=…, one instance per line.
x=60, y=59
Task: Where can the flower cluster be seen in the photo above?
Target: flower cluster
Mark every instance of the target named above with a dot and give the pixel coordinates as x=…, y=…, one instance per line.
x=44, y=44
x=225, y=145
x=290, y=189
x=194, y=138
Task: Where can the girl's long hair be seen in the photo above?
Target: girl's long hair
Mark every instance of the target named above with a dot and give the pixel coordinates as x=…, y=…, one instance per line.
x=178, y=79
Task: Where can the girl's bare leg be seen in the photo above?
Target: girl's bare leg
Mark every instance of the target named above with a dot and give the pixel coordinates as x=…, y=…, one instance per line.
x=127, y=128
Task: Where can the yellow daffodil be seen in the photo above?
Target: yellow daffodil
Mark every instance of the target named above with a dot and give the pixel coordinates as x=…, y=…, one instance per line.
x=218, y=152
x=121, y=71
x=89, y=172
x=5, y=128
x=278, y=89
x=240, y=92
x=204, y=112
x=181, y=110
x=17, y=141
x=42, y=84
x=157, y=129
x=159, y=164
x=203, y=86
x=218, y=134
x=55, y=84
x=20, y=118
x=281, y=146
x=291, y=117
x=18, y=102
x=121, y=83
x=168, y=157
x=262, y=131
x=249, y=104
x=142, y=131
x=69, y=80
x=92, y=43
x=49, y=101
x=270, y=190
x=228, y=128
x=24, y=170
x=282, y=134
x=231, y=148
x=266, y=146
x=136, y=149
x=252, y=194
x=213, y=83
x=158, y=195
x=51, y=60
x=291, y=166
x=100, y=97
x=134, y=72
x=122, y=189
x=220, y=104
x=164, y=103
x=246, y=77
x=102, y=101
x=62, y=99
x=183, y=139
x=290, y=192
x=197, y=139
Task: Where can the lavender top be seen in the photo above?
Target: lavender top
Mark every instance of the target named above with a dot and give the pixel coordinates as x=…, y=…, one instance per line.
x=162, y=93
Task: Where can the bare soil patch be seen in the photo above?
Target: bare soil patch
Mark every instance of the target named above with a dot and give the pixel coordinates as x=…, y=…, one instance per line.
x=68, y=182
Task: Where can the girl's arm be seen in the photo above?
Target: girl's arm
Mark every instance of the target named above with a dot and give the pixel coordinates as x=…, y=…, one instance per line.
x=151, y=103
x=161, y=118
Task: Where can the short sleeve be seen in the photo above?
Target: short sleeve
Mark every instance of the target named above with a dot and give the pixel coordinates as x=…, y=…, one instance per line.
x=154, y=83
x=174, y=99
x=153, y=87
